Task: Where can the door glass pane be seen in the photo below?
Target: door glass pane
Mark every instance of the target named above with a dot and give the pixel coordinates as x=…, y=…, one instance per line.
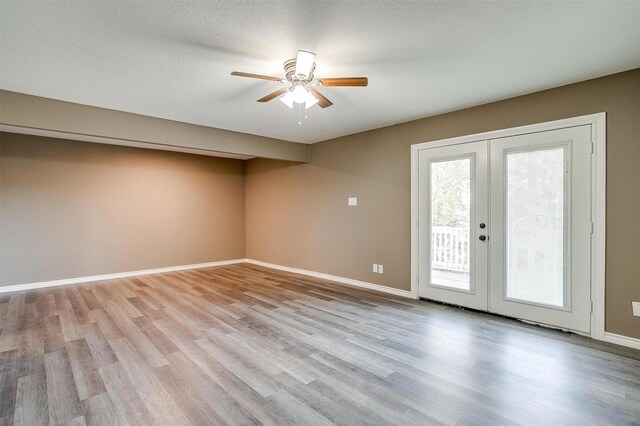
x=535, y=228
x=450, y=219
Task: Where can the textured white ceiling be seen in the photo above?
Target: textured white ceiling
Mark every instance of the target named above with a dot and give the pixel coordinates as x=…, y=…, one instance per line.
x=172, y=59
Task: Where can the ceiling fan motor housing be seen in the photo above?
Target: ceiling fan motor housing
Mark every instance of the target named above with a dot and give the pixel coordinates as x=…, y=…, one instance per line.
x=290, y=72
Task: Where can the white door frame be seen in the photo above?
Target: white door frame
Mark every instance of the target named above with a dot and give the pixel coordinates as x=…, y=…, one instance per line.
x=598, y=197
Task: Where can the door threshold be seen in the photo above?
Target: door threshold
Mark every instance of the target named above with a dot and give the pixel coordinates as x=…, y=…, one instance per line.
x=524, y=321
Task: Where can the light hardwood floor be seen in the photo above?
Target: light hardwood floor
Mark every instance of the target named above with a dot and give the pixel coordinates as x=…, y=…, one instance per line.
x=244, y=344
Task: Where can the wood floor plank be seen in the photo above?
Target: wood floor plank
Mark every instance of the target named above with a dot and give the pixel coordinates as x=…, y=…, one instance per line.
x=107, y=326
x=32, y=345
x=13, y=324
x=52, y=331
x=240, y=366
x=146, y=309
x=62, y=395
x=193, y=403
x=297, y=410
x=100, y=410
x=98, y=345
x=85, y=371
x=61, y=299
x=9, y=375
x=89, y=297
x=335, y=412
x=45, y=303
x=32, y=404
x=71, y=327
x=228, y=409
x=244, y=344
x=80, y=308
x=155, y=336
x=135, y=336
x=126, y=400
x=161, y=405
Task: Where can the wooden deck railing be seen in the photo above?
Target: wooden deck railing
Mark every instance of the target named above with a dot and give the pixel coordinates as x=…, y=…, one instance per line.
x=450, y=248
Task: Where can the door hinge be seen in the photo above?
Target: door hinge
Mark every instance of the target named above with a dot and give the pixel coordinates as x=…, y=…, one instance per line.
x=591, y=228
x=593, y=147
x=591, y=307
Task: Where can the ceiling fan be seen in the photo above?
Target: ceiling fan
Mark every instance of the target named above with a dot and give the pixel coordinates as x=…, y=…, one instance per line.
x=302, y=83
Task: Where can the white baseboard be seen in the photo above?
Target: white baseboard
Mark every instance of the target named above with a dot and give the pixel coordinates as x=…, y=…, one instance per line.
x=342, y=280
x=622, y=340
x=92, y=278
x=117, y=275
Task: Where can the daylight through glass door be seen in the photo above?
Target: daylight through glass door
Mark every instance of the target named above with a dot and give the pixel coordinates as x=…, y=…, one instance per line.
x=450, y=223
x=536, y=226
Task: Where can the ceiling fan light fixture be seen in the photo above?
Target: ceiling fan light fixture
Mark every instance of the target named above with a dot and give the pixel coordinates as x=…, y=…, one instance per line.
x=287, y=99
x=304, y=63
x=310, y=100
x=299, y=94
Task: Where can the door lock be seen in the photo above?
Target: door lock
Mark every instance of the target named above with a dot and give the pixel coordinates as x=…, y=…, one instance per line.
x=482, y=226
x=482, y=238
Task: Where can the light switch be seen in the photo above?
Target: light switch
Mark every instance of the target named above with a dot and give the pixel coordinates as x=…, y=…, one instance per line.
x=380, y=269
x=375, y=267
x=353, y=201
x=636, y=309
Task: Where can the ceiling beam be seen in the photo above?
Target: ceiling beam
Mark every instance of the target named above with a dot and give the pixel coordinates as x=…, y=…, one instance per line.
x=22, y=113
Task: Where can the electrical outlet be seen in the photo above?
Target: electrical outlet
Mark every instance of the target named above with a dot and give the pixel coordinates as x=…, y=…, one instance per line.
x=375, y=267
x=380, y=269
x=636, y=309
x=352, y=201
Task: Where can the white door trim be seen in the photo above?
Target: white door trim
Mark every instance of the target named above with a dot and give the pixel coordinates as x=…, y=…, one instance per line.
x=598, y=194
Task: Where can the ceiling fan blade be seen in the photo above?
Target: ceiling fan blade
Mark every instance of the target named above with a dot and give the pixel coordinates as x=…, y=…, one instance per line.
x=273, y=95
x=322, y=101
x=261, y=77
x=345, y=81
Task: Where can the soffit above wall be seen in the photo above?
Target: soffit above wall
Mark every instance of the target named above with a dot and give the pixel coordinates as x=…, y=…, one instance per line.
x=123, y=142
x=20, y=113
x=172, y=60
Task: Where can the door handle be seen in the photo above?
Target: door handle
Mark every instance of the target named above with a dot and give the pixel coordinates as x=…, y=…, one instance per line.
x=482, y=238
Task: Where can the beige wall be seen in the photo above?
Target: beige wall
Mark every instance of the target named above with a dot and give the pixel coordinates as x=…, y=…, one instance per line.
x=296, y=215
x=73, y=209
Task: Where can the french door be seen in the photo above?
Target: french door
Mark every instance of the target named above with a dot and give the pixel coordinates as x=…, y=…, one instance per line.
x=454, y=260
x=505, y=226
